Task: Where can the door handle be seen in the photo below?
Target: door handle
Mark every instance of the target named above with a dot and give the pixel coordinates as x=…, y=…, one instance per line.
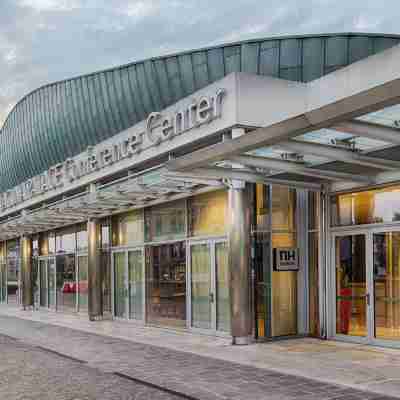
x=211, y=297
x=368, y=298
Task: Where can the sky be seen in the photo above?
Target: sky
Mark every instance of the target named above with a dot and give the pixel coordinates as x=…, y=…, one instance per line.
x=42, y=41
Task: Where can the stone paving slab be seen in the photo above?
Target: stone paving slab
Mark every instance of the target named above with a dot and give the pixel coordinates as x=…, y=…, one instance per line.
x=29, y=373
x=201, y=377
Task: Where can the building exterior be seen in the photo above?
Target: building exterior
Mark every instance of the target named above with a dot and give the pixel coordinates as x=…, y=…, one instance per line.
x=249, y=190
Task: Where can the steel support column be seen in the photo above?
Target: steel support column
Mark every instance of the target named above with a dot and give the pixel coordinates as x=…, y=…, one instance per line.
x=26, y=272
x=239, y=261
x=95, y=295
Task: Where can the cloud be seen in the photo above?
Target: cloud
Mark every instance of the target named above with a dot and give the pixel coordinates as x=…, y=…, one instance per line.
x=50, y=5
x=47, y=40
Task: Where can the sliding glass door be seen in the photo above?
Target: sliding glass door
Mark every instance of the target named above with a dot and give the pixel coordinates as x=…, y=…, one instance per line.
x=209, y=286
x=367, y=286
x=128, y=284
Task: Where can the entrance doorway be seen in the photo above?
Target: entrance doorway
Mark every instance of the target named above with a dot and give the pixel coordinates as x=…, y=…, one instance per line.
x=128, y=284
x=209, y=286
x=366, y=288
x=46, y=282
x=166, y=284
x=61, y=282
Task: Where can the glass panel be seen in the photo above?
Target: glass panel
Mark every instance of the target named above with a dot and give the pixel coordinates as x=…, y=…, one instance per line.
x=351, y=286
x=283, y=208
x=106, y=276
x=207, y=214
x=129, y=229
x=3, y=282
x=387, y=285
x=166, y=266
x=43, y=283
x=222, y=283
x=82, y=240
x=51, y=273
x=313, y=211
x=200, y=261
x=82, y=287
x=166, y=222
x=13, y=280
x=13, y=268
x=105, y=236
x=136, y=284
x=120, y=285
x=262, y=207
x=66, y=240
x=263, y=286
x=313, y=283
x=66, y=282
x=35, y=281
x=369, y=207
x=284, y=292
x=284, y=303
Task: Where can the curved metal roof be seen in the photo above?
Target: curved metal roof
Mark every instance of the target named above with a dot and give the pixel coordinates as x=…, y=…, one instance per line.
x=61, y=119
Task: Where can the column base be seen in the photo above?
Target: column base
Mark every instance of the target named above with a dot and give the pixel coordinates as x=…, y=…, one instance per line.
x=95, y=318
x=241, y=340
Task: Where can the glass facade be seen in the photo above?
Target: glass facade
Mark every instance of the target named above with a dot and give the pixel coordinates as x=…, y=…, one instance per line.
x=275, y=291
x=367, y=207
x=166, y=284
x=386, y=259
x=313, y=262
x=166, y=221
x=207, y=214
x=160, y=237
x=367, y=264
x=351, y=286
x=13, y=271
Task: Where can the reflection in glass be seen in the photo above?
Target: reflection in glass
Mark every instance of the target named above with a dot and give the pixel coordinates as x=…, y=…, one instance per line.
x=35, y=281
x=313, y=278
x=283, y=208
x=106, y=279
x=263, y=284
x=3, y=281
x=351, y=286
x=120, y=293
x=262, y=207
x=82, y=283
x=313, y=210
x=284, y=292
x=166, y=222
x=136, y=284
x=66, y=282
x=43, y=283
x=51, y=274
x=128, y=229
x=82, y=239
x=368, y=207
x=207, y=213
x=166, y=266
x=387, y=285
x=200, y=262
x=13, y=266
x=66, y=240
x=222, y=283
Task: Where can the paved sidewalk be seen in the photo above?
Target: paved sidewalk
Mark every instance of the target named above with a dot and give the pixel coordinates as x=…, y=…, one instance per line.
x=30, y=373
x=209, y=368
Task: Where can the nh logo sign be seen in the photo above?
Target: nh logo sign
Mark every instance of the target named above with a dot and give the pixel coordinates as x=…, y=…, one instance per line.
x=286, y=259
